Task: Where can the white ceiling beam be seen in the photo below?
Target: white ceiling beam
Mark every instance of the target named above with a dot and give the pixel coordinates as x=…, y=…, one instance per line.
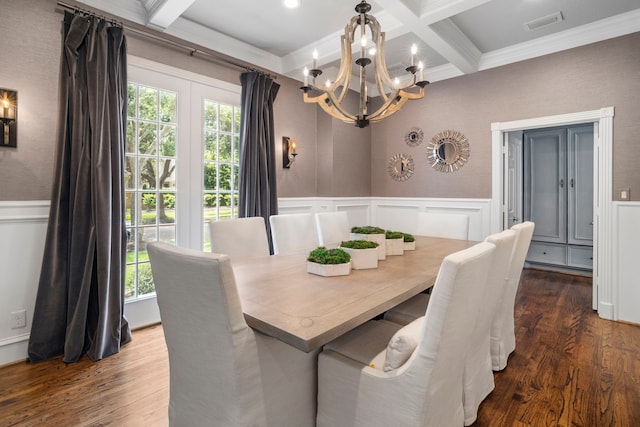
x=163, y=13
x=444, y=36
x=438, y=10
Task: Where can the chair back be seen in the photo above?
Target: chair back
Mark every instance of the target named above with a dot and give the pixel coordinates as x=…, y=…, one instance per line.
x=333, y=228
x=478, y=373
x=293, y=233
x=503, y=340
x=212, y=354
x=445, y=225
x=241, y=238
x=448, y=327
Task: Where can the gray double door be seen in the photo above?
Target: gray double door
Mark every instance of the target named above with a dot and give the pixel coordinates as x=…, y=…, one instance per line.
x=557, y=194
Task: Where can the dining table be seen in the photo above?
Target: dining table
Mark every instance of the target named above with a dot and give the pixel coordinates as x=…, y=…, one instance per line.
x=279, y=298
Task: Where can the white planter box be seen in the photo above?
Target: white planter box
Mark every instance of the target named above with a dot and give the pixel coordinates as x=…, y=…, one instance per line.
x=395, y=246
x=361, y=259
x=378, y=238
x=410, y=246
x=329, y=269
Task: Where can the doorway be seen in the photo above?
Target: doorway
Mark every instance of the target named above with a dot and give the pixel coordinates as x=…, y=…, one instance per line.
x=550, y=182
x=604, y=288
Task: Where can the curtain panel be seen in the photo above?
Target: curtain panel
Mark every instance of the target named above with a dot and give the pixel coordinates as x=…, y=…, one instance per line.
x=80, y=302
x=258, y=185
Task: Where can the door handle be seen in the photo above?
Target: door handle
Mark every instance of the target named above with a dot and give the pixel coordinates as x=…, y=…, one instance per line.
x=562, y=183
x=571, y=182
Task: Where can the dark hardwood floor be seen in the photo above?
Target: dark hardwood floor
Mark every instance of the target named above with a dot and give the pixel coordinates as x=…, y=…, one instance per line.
x=570, y=368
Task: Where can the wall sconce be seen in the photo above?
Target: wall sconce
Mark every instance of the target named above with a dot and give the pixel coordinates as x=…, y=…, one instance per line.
x=288, y=152
x=8, y=117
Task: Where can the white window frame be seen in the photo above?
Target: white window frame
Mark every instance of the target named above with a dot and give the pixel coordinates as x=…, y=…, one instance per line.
x=192, y=89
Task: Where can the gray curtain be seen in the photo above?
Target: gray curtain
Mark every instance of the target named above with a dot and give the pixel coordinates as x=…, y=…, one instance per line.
x=257, y=188
x=80, y=302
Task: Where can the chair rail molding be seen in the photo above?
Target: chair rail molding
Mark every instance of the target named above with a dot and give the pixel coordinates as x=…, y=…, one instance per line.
x=605, y=289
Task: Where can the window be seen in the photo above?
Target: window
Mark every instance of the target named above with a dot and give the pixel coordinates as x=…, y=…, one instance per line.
x=150, y=180
x=221, y=158
x=181, y=167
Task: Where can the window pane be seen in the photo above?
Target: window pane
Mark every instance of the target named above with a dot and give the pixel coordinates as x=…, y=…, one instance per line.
x=225, y=177
x=225, y=148
x=132, y=100
x=167, y=140
x=167, y=234
x=236, y=116
x=130, y=146
x=211, y=115
x=148, y=208
x=210, y=180
x=226, y=118
x=147, y=138
x=130, y=172
x=210, y=145
x=129, y=208
x=167, y=178
x=236, y=148
x=166, y=207
x=148, y=103
x=145, y=279
x=147, y=171
x=168, y=106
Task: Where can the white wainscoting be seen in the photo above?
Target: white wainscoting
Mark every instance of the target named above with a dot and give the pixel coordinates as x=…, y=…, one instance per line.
x=23, y=227
x=394, y=213
x=626, y=269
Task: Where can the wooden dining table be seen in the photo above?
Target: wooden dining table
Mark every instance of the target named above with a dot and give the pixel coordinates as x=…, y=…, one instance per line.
x=279, y=298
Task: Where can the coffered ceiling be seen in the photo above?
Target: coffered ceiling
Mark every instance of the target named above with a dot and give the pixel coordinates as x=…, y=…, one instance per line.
x=454, y=37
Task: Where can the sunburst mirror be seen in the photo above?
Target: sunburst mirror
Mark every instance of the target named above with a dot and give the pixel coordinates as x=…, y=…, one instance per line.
x=448, y=151
x=414, y=136
x=400, y=167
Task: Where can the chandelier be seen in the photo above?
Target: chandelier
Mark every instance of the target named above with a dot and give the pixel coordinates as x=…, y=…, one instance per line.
x=394, y=93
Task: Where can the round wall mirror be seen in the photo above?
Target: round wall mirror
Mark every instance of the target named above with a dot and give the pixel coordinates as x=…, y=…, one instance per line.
x=400, y=167
x=448, y=151
x=413, y=138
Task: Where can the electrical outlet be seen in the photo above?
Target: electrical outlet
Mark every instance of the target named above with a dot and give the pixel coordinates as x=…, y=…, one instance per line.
x=19, y=319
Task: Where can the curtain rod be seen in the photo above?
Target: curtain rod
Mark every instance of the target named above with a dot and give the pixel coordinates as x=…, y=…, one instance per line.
x=141, y=30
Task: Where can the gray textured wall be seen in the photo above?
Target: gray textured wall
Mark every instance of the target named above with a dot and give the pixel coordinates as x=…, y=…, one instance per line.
x=581, y=79
x=338, y=159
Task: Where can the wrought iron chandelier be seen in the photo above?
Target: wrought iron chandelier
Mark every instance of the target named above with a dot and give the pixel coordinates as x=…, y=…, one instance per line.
x=394, y=93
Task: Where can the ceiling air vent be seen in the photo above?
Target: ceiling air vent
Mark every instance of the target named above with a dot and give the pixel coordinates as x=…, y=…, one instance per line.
x=534, y=24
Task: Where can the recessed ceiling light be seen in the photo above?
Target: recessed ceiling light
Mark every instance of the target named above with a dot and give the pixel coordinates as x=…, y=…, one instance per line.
x=291, y=4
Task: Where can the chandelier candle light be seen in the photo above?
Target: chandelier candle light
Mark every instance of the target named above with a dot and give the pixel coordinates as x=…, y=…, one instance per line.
x=392, y=92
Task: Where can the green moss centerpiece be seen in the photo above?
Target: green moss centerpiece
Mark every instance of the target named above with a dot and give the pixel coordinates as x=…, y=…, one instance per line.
x=364, y=253
x=328, y=262
x=371, y=233
x=394, y=243
x=409, y=242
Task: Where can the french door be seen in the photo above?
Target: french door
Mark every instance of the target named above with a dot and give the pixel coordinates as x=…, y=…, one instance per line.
x=181, y=168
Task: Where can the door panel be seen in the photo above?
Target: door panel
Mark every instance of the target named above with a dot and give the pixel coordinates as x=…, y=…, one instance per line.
x=545, y=186
x=580, y=173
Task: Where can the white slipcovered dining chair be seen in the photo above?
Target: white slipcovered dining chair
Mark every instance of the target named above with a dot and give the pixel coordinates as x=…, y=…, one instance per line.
x=240, y=238
x=445, y=225
x=381, y=374
x=333, y=228
x=221, y=371
x=503, y=338
x=478, y=372
x=292, y=233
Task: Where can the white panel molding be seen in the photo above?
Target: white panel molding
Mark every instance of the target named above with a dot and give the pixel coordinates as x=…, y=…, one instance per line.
x=603, y=268
x=23, y=226
x=399, y=213
x=626, y=272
